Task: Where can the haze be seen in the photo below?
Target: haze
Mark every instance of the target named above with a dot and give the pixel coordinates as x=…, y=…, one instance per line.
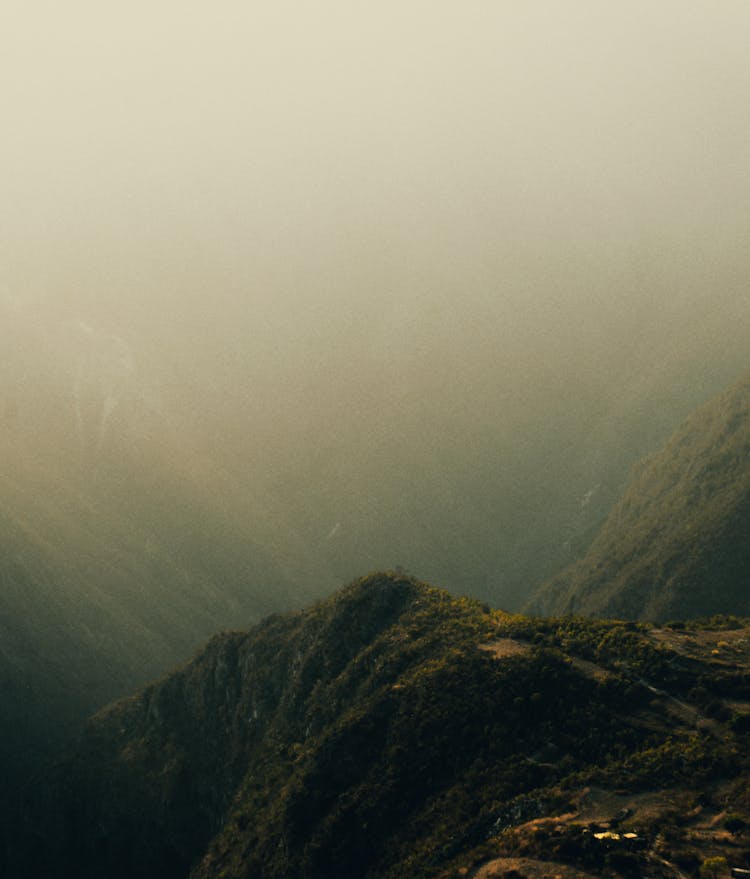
x=410, y=283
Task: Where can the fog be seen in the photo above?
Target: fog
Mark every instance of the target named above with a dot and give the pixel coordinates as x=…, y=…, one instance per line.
x=404, y=284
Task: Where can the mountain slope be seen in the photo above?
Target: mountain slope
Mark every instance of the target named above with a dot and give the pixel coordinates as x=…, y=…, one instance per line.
x=123, y=547
x=675, y=545
x=86, y=615
x=395, y=731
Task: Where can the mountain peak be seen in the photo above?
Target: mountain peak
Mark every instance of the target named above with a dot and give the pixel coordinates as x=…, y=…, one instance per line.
x=393, y=730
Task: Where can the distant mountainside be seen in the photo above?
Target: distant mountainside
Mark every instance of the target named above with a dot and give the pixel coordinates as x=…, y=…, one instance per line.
x=394, y=731
x=96, y=599
x=122, y=546
x=676, y=545
x=121, y=551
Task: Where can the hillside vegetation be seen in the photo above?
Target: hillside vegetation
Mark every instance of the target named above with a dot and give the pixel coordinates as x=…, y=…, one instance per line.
x=675, y=546
x=395, y=731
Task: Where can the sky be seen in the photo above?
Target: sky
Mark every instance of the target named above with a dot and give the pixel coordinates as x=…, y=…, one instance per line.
x=461, y=224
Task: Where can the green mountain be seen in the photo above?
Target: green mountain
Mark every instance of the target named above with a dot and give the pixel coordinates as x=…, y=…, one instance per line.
x=675, y=546
x=394, y=731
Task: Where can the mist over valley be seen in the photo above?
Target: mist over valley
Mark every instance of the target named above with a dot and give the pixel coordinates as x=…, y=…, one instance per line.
x=292, y=293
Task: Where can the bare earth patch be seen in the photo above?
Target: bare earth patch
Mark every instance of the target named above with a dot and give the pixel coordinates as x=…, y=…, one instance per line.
x=726, y=647
x=590, y=669
x=529, y=869
x=505, y=647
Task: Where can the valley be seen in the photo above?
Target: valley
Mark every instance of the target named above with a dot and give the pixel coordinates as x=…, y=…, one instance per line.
x=374, y=440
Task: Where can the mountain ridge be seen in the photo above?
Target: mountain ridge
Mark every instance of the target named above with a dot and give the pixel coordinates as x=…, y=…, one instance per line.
x=392, y=730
